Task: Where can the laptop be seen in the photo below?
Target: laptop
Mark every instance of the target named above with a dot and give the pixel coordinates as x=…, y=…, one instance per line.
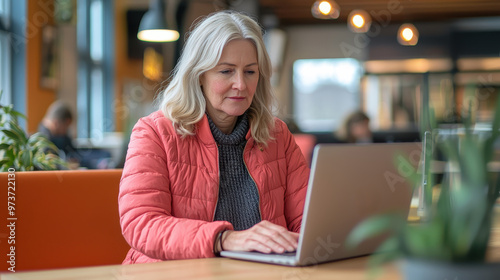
x=347, y=184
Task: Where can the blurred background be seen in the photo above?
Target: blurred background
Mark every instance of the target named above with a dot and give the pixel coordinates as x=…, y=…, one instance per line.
x=392, y=60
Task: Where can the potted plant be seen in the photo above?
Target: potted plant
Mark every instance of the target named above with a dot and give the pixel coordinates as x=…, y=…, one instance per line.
x=452, y=242
x=23, y=152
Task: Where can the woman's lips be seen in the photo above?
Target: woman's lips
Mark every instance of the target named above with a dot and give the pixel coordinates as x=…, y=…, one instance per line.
x=237, y=98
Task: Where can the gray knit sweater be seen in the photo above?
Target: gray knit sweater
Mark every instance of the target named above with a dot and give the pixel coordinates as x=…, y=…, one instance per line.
x=238, y=195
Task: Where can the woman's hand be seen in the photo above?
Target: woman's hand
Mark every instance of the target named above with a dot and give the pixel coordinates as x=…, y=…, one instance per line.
x=264, y=237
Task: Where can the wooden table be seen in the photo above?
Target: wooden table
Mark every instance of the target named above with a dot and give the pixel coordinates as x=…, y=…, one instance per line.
x=222, y=268
x=213, y=268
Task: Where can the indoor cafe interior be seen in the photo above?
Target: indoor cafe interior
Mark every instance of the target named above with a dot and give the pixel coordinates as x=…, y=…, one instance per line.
x=345, y=73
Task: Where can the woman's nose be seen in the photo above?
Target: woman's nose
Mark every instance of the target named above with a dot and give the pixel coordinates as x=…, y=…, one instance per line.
x=239, y=82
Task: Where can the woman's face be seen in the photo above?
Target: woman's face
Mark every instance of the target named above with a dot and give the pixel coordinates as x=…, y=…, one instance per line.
x=361, y=131
x=230, y=86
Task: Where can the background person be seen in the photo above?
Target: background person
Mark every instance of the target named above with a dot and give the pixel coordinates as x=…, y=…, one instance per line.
x=355, y=129
x=213, y=169
x=55, y=126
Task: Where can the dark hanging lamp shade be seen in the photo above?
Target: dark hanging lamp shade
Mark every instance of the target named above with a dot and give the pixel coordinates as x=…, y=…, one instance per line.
x=153, y=26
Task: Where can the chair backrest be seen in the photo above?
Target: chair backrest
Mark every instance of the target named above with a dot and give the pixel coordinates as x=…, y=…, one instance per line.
x=64, y=219
x=306, y=143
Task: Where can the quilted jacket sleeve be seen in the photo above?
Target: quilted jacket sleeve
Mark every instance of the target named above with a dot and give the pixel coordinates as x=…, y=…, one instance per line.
x=145, y=204
x=297, y=180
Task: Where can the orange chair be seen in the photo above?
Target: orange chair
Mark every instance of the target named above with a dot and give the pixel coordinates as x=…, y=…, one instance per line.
x=64, y=219
x=306, y=143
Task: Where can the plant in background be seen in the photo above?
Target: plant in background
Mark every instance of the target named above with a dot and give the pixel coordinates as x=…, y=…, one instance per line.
x=458, y=226
x=23, y=152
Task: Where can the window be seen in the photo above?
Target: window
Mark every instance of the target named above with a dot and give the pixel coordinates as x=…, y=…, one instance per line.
x=5, y=53
x=95, y=68
x=394, y=101
x=325, y=92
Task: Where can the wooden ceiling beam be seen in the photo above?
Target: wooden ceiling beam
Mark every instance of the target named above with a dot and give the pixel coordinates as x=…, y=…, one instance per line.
x=299, y=11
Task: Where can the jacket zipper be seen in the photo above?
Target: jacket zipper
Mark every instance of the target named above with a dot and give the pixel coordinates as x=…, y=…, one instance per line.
x=218, y=182
x=255, y=183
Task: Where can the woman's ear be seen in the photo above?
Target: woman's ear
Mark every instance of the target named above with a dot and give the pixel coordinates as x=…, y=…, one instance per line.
x=200, y=82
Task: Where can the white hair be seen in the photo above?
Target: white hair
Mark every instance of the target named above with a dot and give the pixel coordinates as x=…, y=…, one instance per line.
x=183, y=101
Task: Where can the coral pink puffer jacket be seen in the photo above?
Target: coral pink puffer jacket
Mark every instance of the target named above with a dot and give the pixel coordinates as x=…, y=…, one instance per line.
x=169, y=188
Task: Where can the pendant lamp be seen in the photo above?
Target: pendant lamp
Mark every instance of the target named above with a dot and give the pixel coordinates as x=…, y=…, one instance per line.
x=153, y=26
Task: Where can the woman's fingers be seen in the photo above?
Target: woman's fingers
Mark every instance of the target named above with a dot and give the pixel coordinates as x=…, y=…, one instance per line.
x=294, y=236
x=277, y=237
x=264, y=237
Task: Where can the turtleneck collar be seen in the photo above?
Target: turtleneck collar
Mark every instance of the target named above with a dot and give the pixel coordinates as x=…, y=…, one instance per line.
x=236, y=137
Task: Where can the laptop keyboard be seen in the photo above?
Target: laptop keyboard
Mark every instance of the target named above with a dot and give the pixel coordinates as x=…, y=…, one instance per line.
x=285, y=253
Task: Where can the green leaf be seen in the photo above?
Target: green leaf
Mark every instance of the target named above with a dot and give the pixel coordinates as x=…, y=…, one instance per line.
x=468, y=217
x=39, y=141
x=18, y=131
x=12, y=135
x=5, y=162
x=495, y=133
x=9, y=153
x=406, y=169
x=426, y=240
x=42, y=166
x=4, y=146
x=388, y=251
x=449, y=147
x=17, y=114
x=493, y=196
x=480, y=243
x=26, y=157
x=374, y=226
x=471, y=160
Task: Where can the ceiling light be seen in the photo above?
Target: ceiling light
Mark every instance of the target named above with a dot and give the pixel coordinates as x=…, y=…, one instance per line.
x=153, y=26
x=326, y=9
x=408, y=35
x=359, y=21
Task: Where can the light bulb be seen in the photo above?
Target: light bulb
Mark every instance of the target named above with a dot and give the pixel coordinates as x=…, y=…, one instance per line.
x=158, y=35
x=358, y=21
x=325, y=7
x=407, y=34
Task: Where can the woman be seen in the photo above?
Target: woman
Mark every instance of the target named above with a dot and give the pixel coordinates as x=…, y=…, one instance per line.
x=355, y=129
x=213, y=169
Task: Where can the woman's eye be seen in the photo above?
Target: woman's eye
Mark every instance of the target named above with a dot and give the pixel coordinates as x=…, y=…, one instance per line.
x=226, y=71
x=251, y=72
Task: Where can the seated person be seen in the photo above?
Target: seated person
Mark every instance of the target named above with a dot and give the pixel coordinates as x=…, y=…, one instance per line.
x=55, y=126
x=213, y=169
x=355, y=129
